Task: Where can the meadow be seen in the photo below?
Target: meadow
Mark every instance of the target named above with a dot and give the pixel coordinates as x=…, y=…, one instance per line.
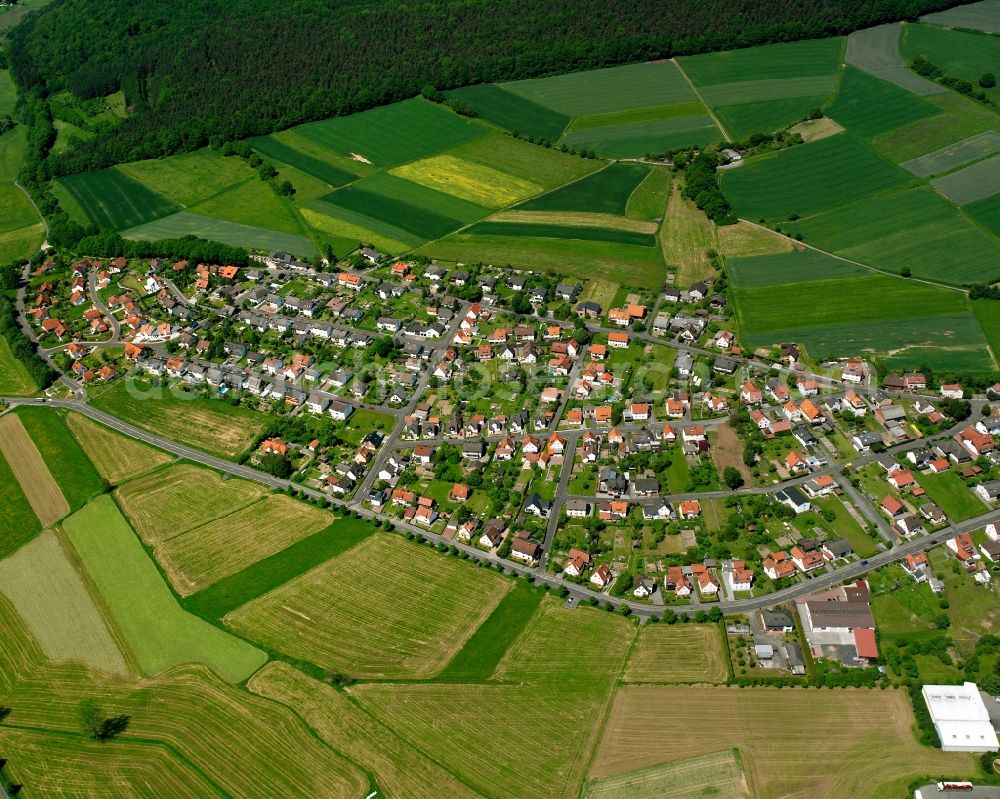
x=170, y=501
x=648, y=200
x=346, y=614
x=877, y=50
x=976, y=182
x=190, y=178
x=952, y=495
x=116, y=457
x=844, y=725
x=686, y=237
x=955, y=155
x=691, y=653
x=211, y=425
x=114, y=201
x=201, y=556
x=868, y=106
x=745, y=239
x=14, y=378
x=21, y=231
x=716, y=774
x=604, y=192
x=41, y=583
x=158, y=632
x=28, y=468
x=809, y=178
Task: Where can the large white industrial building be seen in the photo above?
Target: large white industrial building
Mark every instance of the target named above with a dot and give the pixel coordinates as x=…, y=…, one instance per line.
x=961, y=718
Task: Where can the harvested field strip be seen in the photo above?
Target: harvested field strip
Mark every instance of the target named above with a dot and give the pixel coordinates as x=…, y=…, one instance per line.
x=846, y=725
x=271, y=147
x=876, y=50
x=204, y=555
x=170, y=501
x=478, y=659
x=510, y=111
x=981, y=16
x=69, y=465
x=269, y=573
x=114, y=201
x=341, y=616
x=671, y=653
x=467, y=180
x=14, y=378
x=632, y=115
x=945, y=159
x=717, y=774
x=816, y=129
x=20, y=522
x=551, y=231
x=402, y=770
x=744, y=239
x=686, y=236
x=869, y=106
x=578, y=219
x=159, y=633
x=116, y=457
x=51, y=598
x=28, y=467
x=606, y=191
x=976, y=182
x=789, y=267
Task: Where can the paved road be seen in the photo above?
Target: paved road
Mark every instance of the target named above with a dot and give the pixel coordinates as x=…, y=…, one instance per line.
x=95, y=298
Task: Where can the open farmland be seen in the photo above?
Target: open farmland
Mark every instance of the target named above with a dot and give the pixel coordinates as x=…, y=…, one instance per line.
x=717, y=774
x=867, y=105
x=976, y=182
x=572, y=219
x=800, y=266
x=211, y=425
x=675, y=653
x=671, y=127
x=744, y=239
x=876, y=50
x=548, y=168
x=844, y=725
x=511, y=111
x=961, y=118
x=981, y=16
x=341, y=616
x=170, y=501
x=560, y=231
x=809, y=178
x=955, y=155
x=116, y=457
x=283, y=151
x=114, y=201
x=330, y=220
x=21, y=522
x=159, y=633
x=686, y=236
x=185, y=223
x=604, y=192
x=190, y=178
x=204, y=555
x=14, y=378
x=960, y=54
x=467, y=180
x=402, y=769
x=987, y=213
x=40, y=582
x=30, y=471
x=649, y=199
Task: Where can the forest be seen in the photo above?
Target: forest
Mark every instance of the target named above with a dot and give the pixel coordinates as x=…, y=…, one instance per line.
x=196, y=72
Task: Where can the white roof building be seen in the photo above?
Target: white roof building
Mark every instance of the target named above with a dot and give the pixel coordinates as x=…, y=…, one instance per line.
x=961, y=718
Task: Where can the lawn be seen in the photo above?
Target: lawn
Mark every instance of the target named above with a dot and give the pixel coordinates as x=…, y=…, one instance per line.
x=902, y=606
x=955, y=155
x=691, y=653
x=844, y=725
x=185, y=223
x=868, y=106
x=29, y=469
x=159, y=633
x=14, y=378
x=801, y=266
x=809, y=178
x=190, y=178
x=50, y=596
x=116, y=457
x=114, y=201
x=212, y=425
x=170, y=501
x=284, y=152
x=200, y=557
x=271, y=572
x=511, y=111
x=845, y=525
x=876, y=50
x=75, y=475
x=347, y=614
x=717, y=774
x=948, y=492
x=686, y=237
x=976, y=182
x=606, y=192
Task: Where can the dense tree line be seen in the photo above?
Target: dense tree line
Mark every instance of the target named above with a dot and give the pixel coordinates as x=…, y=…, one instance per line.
x=22, y=348
x=203, y=71
x=701, y=186
x=107, y=244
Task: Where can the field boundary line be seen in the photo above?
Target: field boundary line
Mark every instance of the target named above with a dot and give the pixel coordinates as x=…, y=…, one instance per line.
x=796, y=242
x=701, y=99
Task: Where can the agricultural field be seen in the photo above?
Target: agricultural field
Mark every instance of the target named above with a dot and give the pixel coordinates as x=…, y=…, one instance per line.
x=158, y=632
x=284, y=151
x=845, y=725
x=190, y=178
x=29, y=469
x=604, y=192
x=574, y=219
x=877, y=51
x=686, y=237
x=987, y=213
x=961, y=118
x=868, y=106
x=716, y=774
x=21, y=231
x=113, y=200
x=211, y=425
x=649, y=200
x=511, y=111
x=475, y=183
x=976, y=182
x=799, y=266
x=678, y=654
x=989, y=319
x=14, y=378
x=171, y=501
x=955, y=155
x=810, y=178
x=201, y=556
x=185, y=223
x=342, y=615
x=116, y=457
x=41, y=583
x=21, y=521
x=981, y=16
x=547, y=230
x=958, y=53
x=745, y=239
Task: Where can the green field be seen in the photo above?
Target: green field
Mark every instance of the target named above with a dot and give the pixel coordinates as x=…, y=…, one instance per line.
x=190, y=178
x=961, y=119
x=954, y=497
x=877, y=50
x=987, y=213
x=114, y=201
x=959, y=54
x=159, y=633
x=957, y=154
x=810, y=57
x=21, y=231
x=716, y=774
x=789, y=267
x=540, y=230
x=809, y=178
x=467, y=180
x=355, y=228
x=649, y=136
x=981, y=16
x=972, y=183
x=649, y=199
x=547, y=167
x=867, y=105
x=915, y=229
x=604, y=192
x=279, y=150
x=511, y=111
x=14, y=378
x=20, y=523
x=989, y=319
x=766, y=116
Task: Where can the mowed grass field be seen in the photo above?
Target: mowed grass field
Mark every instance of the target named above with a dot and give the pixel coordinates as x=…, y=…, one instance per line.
x=604, y=192
x=386, y=608
x=14, y=378
x=955, y=155
x=686, y=237
x=981, y=16
x=29, y=469
x=200, y=557
x=556, y=680
x=114, y=201
x=512, y=111
x=158, y=632
x=212, y=425
x=674, y=653
x=185, y=223
x=116, y=457
x=825, y=737
x=877, y=51
x=42, y=584
x=21, y=522
x=717, y=774
x=170, y=501
x=976, y=182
